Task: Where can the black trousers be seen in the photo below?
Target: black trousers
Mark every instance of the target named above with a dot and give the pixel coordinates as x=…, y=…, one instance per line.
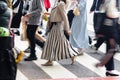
x=98, y=21
x=31, y=30
x=70, y=18
x=39, y=43
x=108, y=31
x=117, y=34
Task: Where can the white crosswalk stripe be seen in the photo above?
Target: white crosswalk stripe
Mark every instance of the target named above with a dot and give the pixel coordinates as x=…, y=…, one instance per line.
x=56, y=71
x=89, y=62
x=21, y=76
x=59, y=71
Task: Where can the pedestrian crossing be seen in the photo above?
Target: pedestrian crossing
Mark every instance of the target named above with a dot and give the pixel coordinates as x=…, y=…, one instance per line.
x=20, y=76
x=83, y=67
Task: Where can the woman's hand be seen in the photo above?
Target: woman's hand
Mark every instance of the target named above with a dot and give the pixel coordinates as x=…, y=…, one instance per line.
x=27, y=15
x=68, y=32
x=47, y=13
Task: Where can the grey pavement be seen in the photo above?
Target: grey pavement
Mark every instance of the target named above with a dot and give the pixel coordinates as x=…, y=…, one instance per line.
x=82, y=68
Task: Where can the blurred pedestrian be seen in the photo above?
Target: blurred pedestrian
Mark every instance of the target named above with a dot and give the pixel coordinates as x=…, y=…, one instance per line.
x=79, y=34
x=98, y=19
x=39, y=40
x=33, y=15
x=107, y=31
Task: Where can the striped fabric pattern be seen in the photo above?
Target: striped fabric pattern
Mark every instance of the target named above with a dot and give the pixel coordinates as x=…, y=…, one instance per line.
x=57, y=47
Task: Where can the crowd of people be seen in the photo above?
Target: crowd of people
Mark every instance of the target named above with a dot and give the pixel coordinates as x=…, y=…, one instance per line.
x=67, y=32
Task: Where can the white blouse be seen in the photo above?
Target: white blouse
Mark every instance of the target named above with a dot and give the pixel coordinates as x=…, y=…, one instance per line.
x=71, y=5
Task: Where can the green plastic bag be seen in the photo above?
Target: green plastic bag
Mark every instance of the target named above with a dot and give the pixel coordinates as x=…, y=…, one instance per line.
x=4, y=32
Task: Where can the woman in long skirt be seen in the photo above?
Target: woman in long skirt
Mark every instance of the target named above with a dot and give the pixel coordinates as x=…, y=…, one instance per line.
x=57, y=47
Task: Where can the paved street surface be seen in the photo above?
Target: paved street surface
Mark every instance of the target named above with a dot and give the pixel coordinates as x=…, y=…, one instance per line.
x=83, y=68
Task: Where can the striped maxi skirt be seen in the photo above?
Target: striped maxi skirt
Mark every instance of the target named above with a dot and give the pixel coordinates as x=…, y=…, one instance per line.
x=57, y=47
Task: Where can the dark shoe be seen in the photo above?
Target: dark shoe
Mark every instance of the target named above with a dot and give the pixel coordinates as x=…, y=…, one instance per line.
x=40, y=32
x=17, y=33
x=39, y=43
x=111, y=74
x=27, y=50
x=47, y=31
x=90, y=40
x=95, y=39
x=41, y=24
x=30, y=58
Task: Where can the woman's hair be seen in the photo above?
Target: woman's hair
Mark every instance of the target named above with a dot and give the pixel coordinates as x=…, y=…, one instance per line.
x=65, y=1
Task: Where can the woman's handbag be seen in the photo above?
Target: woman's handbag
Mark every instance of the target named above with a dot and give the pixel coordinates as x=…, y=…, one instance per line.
x=45, y=17
x=76, y=11
x=24, y=27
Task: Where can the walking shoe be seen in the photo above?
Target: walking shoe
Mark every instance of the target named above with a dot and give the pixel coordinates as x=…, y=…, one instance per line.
x=111, y=74
x=17, y=32
x=48, y=64
x=39, y=43
x=73, y=59
x=40, y=32
x=30, y=58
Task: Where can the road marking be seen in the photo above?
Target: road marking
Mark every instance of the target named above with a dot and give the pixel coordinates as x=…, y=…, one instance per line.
x=55, y=71
x=89, y=62
x=20, y=76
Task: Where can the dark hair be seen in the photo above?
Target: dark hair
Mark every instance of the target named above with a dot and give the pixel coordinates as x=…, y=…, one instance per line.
x=63, y=1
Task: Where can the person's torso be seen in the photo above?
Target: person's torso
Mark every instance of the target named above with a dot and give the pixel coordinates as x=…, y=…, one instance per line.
x=55, y=14
x=4, y=19
x=112, y=10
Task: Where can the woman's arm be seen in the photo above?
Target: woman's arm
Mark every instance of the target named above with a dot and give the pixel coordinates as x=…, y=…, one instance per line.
x=63, y=13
